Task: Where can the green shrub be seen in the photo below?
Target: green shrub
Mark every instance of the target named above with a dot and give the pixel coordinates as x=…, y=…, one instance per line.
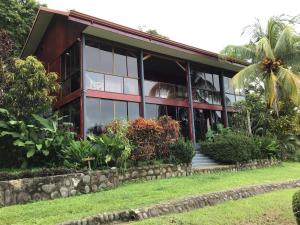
x=38, y=140
x=268, y=146
x=181, y=151
x=296, y=206
x=231, y=147
x=76, y=152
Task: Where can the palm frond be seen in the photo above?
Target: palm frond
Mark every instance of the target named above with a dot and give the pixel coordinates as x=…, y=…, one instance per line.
x=274, y=28
x=290, y=84
x=263, y=49
x=285, y=43
x=271, y=90
x=242, y=77
x=242, y=52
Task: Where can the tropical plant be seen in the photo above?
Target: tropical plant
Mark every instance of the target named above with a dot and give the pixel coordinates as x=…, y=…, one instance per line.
x=29, y=88
x=181, y=151
x=145, y=135
x=170, y=134
x=77, y=153
x=39, y=137
x=275, y=61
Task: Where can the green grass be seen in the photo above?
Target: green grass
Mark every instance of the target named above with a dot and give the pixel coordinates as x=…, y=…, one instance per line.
x=272, y=208
x=133, y=195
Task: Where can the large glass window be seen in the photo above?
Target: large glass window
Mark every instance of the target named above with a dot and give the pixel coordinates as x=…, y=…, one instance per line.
x=232, y=95
x=119, y=67
x=113, y=84
x=164, y=90
x=205, y=86
x=100, y=112
x=70, y=70
x=131, y=86
x=71, y=113
x=133, y=110
x=95, y=81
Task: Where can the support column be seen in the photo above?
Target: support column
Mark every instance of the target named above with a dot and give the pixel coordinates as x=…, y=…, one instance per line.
x=83, y=81
x=141, y=67
x=190, y=109
x=223, y=101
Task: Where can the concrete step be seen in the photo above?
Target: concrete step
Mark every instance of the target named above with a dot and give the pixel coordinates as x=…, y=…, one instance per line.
x=201, y=160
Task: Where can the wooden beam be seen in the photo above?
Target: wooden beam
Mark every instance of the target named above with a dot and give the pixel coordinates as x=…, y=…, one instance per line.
x=146, y=57
x=181, y=66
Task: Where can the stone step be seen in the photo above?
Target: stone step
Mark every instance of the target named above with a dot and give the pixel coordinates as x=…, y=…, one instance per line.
x=201, y=160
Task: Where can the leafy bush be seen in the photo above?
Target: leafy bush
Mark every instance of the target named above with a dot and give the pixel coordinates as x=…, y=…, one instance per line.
x=296, y=206
x=268, y=146
x=231, y=148
x=170, y=133
x=35, y=140
x=145, y=134
x=76, y=153
x=181, y=151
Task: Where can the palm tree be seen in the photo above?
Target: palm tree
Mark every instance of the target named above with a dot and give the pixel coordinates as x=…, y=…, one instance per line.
x=274, y=58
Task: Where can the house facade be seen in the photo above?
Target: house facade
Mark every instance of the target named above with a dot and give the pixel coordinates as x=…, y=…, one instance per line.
x=108, y=71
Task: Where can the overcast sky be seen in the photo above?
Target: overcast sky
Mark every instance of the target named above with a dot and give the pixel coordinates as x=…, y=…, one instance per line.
x=207, y=24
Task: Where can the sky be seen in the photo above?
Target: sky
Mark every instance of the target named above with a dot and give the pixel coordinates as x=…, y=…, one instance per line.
x=206, y=24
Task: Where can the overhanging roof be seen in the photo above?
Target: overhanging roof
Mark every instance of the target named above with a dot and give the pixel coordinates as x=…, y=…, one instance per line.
x=115, y=32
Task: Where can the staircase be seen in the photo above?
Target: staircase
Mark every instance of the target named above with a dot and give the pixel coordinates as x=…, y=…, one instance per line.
x=201, y=160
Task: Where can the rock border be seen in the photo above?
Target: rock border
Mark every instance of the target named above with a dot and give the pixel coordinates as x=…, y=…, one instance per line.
x=183, y=205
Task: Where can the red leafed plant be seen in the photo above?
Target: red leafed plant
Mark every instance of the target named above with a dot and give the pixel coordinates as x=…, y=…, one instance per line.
x=170, y=134
x=145, y=134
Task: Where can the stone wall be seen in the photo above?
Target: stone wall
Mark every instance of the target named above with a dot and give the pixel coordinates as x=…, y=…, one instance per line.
x=183, y=205
x=51, y=187
x=255, y=164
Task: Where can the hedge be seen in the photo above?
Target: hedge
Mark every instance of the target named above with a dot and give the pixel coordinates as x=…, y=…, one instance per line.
x=296, y=206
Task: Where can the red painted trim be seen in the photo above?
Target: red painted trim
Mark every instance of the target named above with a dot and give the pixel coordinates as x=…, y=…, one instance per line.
x=198, y=105
x=165, y=101
x=65, y=100
x=114, y=96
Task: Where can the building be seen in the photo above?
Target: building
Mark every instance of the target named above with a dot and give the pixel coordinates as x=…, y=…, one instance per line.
x=109, y=71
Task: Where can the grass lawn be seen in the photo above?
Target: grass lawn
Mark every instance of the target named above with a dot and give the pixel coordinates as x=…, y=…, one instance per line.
x=133, y=195
x=272, y=208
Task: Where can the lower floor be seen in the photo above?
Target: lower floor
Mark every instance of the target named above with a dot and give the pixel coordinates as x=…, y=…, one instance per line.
x=99, y=112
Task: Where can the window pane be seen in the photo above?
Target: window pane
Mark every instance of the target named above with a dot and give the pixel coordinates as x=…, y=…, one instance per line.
x=120, y=110
x=151, y=111
x=75, y=82
x=93, y=117
x=162, y=110
x=120, y=63
x=172, y=112
x=94, y=81
x=181, y=91
x=107, y=111
x=226, y=84
x=131, y=86
x=216, y=98
x=106, y=59
x=209, y=81
x=209, y=97
x=216, y=82
x=151, y=88
x=93, y=59
x=132, y=66
x=113, y=84
x=230, y=99
x=133, y=110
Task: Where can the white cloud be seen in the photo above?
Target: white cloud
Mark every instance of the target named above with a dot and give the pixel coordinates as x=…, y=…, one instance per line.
x=209, y=24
